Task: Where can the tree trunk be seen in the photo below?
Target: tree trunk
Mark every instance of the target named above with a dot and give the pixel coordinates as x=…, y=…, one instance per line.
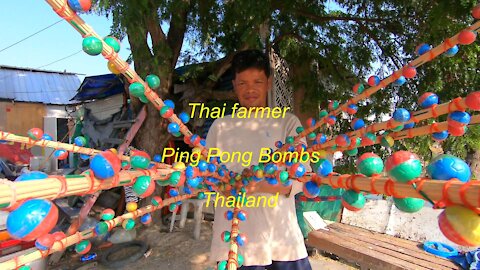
x=473, y=158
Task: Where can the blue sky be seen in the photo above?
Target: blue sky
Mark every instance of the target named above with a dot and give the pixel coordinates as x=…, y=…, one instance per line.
x=20, y=19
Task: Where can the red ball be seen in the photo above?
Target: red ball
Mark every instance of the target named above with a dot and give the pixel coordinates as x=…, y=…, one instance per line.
x=58, y=236
x=44, y=242
x=473, y=101
x=457, y=131
x=476, y=12
x=35, y=133
x=466, y=37
x=409, y=72
x=342, y=140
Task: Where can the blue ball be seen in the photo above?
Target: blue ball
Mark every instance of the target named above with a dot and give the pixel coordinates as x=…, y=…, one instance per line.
x=194, y=182
x=184, y=117
x=173, y=128
x=47, y=137
x=173, y=192
x=400, y=81
x=229, y=215
x=157, y=158
x=446, y=167
x=459, y=118
x=311, y=189
x=169, y=103
x=440, y=136
x=423, y=48
x=452, y=51
x=202, y=165
x=84, y=156
x=212, y=167
x=324, y=168
x=401, y=115
x=428, y=99
x=187, y=190
x=356, y=124
x=409, y=125
x=33, y=175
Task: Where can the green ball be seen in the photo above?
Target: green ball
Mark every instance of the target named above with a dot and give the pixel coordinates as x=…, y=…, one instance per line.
x=153, y=81
x=125, y=163
x=406, y=171
x=240, y=260
x=312, y=136
x=222, y=265
x=113, y=42
x=358, y=141
x=409, y=205
x=323, y=113
x=101, y=228
x=137, y=89
x=82, y=247
x=172, y=207
x=353, y=201
x=369, y=164
x=289, y=139
x=92, y=45
x=144, y=99
x=299, y=129
x=175, y=178
x=398, y=128
x=25, y=267
x=141, y=185
x=226, y=235
x=352, y=152
x=283, y=176
x=128, y=224
x=139, y=162
x=201, y=195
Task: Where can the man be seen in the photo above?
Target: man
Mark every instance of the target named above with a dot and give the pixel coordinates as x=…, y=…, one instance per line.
x=274, y=237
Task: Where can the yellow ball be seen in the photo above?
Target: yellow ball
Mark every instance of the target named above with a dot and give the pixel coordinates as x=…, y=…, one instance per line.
x=179, y=165
x=322, y=153
x=112, y=68
x=132, y=206
x=113, y=150
x=460, y=225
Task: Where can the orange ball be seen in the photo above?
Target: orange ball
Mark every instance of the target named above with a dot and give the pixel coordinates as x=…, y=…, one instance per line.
x=476, y=12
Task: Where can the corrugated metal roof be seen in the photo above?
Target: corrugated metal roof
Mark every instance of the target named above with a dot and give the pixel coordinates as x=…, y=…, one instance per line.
x=41, y=86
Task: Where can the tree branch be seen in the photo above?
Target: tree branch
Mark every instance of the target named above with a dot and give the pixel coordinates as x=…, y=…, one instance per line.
x=178, y=27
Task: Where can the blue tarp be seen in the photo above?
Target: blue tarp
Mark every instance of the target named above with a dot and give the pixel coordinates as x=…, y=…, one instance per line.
x=98, y=87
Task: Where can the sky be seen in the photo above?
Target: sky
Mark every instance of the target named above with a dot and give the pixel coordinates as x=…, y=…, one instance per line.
x=22, y=18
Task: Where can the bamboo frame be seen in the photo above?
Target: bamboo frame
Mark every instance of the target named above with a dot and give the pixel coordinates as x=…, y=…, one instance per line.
x=232, y=262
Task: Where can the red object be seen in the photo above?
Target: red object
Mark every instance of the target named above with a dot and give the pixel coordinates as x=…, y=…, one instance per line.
x=457, y=131
x=15, y=153
x=398, y=158
x=466, y=37
x=409, y=72
x=473, y=101
x=476, y=12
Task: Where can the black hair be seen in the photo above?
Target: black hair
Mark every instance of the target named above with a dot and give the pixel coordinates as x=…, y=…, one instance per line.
x=244, y=60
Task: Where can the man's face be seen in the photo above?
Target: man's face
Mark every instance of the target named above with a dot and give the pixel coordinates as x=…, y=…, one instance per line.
x=251, y=87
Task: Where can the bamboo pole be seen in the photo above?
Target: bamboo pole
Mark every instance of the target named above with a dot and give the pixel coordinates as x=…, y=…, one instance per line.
x=79, y=236
x=232, y=262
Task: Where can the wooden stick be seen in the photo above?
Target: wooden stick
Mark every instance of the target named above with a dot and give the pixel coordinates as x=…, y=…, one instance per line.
x=79, y=236
x=232, y=262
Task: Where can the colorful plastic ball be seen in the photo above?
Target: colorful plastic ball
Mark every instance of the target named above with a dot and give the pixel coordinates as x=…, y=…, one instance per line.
x=401, y=115
x=169, y=103
x=32, y=219
x=440, y=136
x=108, y=214
x=58, y=236
x=297, y=170
x=136, y=89
x=400, y=81
x=331, y=120
x=143, y=99
x=476, y=12
x=101, y=228
x=184, y=117
x=241, y=239
x=422, y=48
x=173, y=128
x=176, y=179
x=333, y=105
x=369, y=164
x=452, y=51
x=60, y=154
x=44, y=242
x=403, y=166
x=409, y=205
x=387, y=141
x=466, y=37
x=409, y=72
x=222, y=265
x=225, y=236
x=342, y=140
x=113, y=42
x=353, y=201
x=153, y=81
x=311, y=122
x=131, y=206
x=83, y=247
x=373, y=80
x=358, y=88
x=47, y=137
x=33, y=175
x=409, y=125
x=458, y=119
x=321, y=138
x=352, y=152
x=299, y=130
x=105, y=165
x=92, y=45
x=473, y=101
x=446, y=167
x=146, y=219
x=352, y=109
x=157, y=158
x=460, y=225
x=242, y=215
x=80, y=141
x=397, y=128
x=357, y=124
x=457, y=131
x=35, y=133
x=311, y=189
x=139, y=159
x=157, y=201
x=128, y=224
x=166, y=112
x=368, y=139
x=80, y=5
x=427, y=100
x=111, y=66
x=144, y=186
x=322, y=113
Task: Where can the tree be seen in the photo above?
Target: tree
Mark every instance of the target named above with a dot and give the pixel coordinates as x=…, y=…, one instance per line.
x=329, y=45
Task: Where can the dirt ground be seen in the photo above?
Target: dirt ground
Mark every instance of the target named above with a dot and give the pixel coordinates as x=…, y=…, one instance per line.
x=178, y=250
